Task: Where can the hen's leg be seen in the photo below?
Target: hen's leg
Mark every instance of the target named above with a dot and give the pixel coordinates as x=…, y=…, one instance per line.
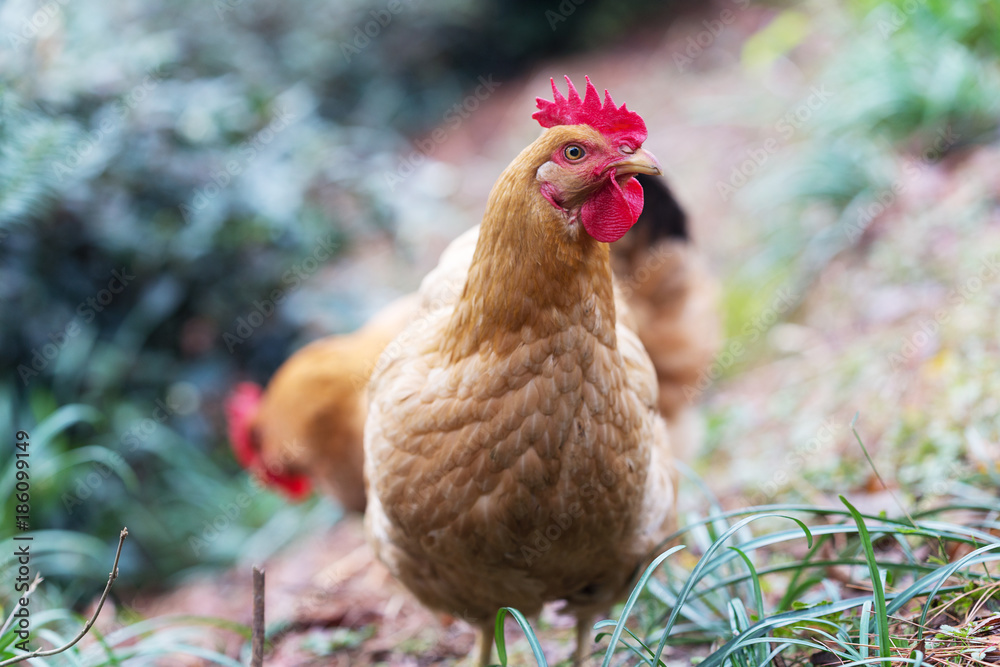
x=484, y=645
x=581, y=656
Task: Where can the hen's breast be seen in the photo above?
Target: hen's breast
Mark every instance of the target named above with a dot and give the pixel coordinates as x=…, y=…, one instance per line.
x=512, y=479
x=524, y=475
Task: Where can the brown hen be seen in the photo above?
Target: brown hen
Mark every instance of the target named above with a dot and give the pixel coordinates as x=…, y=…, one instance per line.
x=520, y=403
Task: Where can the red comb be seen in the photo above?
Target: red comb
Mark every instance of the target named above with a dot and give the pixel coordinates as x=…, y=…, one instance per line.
x=606, y=118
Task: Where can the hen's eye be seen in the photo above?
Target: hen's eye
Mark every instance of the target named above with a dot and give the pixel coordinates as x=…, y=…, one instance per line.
x=574, y=152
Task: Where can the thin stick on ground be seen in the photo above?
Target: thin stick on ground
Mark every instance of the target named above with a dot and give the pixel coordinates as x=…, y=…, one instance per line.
x=257, y=638
x=877, y=474
x=93, y=619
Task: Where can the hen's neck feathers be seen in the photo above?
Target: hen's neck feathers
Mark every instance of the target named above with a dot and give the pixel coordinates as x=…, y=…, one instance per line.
x=531, y=275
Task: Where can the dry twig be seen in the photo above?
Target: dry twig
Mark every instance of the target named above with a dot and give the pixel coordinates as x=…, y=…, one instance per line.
x=93, y=619
x=257, y=638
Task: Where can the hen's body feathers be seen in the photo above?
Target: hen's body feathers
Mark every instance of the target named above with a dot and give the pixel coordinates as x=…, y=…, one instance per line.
x=513, y=450
x=504, y=467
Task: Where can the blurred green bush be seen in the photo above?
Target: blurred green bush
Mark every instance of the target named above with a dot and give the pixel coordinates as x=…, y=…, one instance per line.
x=912, y=83
x=171, y=176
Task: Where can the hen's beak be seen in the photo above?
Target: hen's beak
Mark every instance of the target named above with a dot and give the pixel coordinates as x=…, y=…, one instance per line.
x=639, y=162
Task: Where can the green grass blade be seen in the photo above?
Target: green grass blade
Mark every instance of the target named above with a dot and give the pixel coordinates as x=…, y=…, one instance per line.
x=866, y=613
x=630, y=603
x=758, y=600
x=878, y=594
x=840, y=645
x=529, y=634
x=151, y=626
x=101, y=641
x=187, y=649
x=790, y=590
x=696, y=611
x=635, y=649
x=719, y=657
x=945, y=574
x=785, y=643
x=758, y=595
x=951, y=531
x=940, y=575
x=703, y=563
x=62, y=419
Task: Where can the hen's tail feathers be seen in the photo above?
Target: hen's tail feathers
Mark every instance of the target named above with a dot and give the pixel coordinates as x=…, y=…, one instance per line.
x=241, y=408
x=662, y=217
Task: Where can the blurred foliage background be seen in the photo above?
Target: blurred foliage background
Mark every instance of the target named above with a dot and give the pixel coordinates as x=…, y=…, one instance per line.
x=207, y=151
x=210, y=154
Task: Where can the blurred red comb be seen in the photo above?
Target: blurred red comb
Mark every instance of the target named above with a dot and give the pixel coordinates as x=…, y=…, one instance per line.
x=241, y=406
x=604, y=117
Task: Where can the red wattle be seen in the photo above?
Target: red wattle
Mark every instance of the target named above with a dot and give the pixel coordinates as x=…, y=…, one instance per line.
x=296, y=487
x=241, y=408
x=611, y=211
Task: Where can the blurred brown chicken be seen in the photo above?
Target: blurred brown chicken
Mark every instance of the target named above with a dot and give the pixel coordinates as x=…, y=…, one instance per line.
x=307, y=427
x=674, y=299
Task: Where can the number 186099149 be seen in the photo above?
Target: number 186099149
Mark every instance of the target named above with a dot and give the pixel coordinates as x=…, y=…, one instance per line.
x=22, y=486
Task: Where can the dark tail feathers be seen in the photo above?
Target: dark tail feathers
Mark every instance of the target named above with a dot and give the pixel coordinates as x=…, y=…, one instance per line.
x=662, y=217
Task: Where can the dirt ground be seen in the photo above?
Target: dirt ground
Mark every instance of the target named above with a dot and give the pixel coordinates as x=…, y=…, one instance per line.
x=899, y=327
